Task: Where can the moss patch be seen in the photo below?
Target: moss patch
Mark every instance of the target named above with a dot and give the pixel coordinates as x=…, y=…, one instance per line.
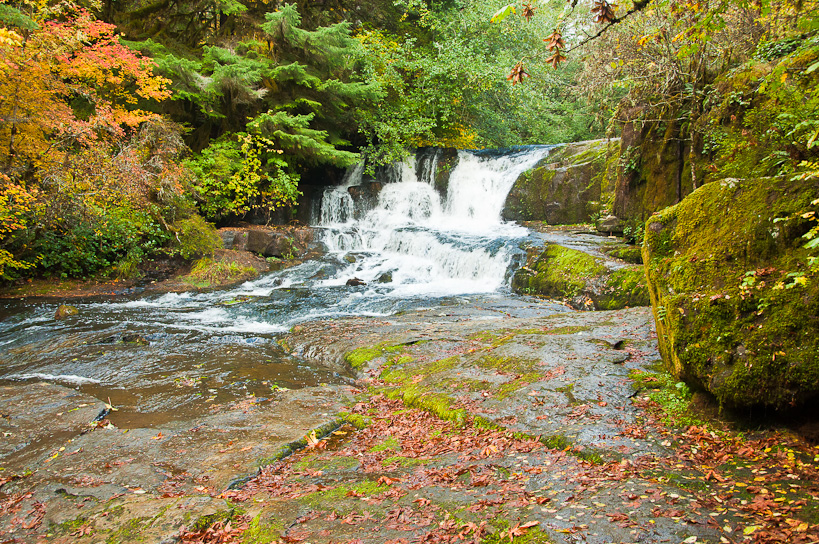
x=582, y=280
x=209, y=273
x=736, y=306
x=359, y=357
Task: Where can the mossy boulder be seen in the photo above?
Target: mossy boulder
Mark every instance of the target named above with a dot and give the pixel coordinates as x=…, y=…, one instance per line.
x=65, y=310
x=568, y=186
x=581, y=280
x=734, y=298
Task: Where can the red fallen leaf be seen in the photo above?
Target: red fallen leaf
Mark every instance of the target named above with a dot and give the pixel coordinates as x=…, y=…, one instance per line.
x=618, y=516
x=711, y=475
x=542, y=500
x=422, y=502
x=386, y=480
x=83, y=530
x=520, y=530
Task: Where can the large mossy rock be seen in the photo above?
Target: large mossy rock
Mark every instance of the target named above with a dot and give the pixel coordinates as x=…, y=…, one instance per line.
x=735, y=303
x=580, y=279
x=653, y=168
x=567, y=187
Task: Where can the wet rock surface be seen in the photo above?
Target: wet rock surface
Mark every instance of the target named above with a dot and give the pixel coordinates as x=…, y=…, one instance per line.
x=500, y=419
x=65, y=464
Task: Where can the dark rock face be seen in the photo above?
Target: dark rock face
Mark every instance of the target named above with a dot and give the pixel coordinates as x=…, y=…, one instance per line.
x=610, y=225
x=281, y=242
x=365, y=196
x=737, y=308
x=355, y=282
x=653, y=170
x=566, y=188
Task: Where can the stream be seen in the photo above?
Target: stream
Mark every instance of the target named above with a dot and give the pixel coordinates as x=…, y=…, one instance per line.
x=163, y=357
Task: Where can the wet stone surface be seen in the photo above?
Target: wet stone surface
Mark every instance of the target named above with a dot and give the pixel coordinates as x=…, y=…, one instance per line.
x=500, y=420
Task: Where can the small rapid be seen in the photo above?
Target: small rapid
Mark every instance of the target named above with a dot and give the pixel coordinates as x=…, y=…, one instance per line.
x=412, y=243
x=423, y=243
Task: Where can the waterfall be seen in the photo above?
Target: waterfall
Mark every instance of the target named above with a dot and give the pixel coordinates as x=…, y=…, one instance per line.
x=410, y=240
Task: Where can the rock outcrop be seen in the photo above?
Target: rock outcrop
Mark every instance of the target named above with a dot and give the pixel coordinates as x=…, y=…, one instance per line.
x=735, y=300
x=280, y=242
x=580, y=279
x=568, y=186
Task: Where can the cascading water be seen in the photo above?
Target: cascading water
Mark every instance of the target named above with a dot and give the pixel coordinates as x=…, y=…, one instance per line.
x=410, y=246
x=422, y=245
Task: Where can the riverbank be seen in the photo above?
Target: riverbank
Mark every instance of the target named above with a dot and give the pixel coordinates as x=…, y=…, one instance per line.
x=247, y=251
x=503, y=419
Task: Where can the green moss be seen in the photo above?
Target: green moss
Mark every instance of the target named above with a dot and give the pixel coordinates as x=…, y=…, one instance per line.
x=131, y=531
x=630, y=254
x=370, y=488
x=730, y=319
x=509, y=365
x=356, y=420
x=624, y=287
x=209, y=273
x=672, y=396
x=326, y=498
x=558, y=272
x=508, y=388
x=262, y=532
x=501, y=534
x=391, y=443
x=436, y=404
x=404, y=461
x=395, y=373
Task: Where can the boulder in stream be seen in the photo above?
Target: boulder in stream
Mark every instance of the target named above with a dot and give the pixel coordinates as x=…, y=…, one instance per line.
x=65, y=310
x=567, y=187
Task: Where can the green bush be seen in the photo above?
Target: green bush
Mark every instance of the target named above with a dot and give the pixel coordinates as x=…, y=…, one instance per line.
x=83, y=244
x=195, y=237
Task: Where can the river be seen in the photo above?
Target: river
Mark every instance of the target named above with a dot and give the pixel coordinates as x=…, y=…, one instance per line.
x=167, y=356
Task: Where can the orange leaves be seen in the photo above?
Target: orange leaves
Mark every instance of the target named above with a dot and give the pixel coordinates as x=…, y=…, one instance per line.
x=528, y=10
x=603, y=11
x=557, y=47
x=555, y=40
x=555, y=60
x=520, y=530
x=71, y=83
x=517, y=74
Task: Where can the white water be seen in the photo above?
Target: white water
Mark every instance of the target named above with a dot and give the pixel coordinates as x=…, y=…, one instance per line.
x=433, y=249
x=427, y=245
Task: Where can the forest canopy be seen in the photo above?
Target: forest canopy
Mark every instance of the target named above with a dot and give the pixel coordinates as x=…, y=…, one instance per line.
x=125, y=126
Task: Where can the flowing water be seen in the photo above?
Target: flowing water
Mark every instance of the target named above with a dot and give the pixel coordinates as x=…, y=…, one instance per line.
x=161, y=357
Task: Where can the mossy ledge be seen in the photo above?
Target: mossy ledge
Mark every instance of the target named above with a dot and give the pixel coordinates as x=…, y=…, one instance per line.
x=735, y=302
x=581, y=280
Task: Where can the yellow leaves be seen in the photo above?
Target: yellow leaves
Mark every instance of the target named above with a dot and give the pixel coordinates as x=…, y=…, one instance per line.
x=751, y=529
x=10, y=38
x=503, y=13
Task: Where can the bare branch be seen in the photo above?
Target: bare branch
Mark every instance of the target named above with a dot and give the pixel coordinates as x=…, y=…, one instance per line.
x=638, y=6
